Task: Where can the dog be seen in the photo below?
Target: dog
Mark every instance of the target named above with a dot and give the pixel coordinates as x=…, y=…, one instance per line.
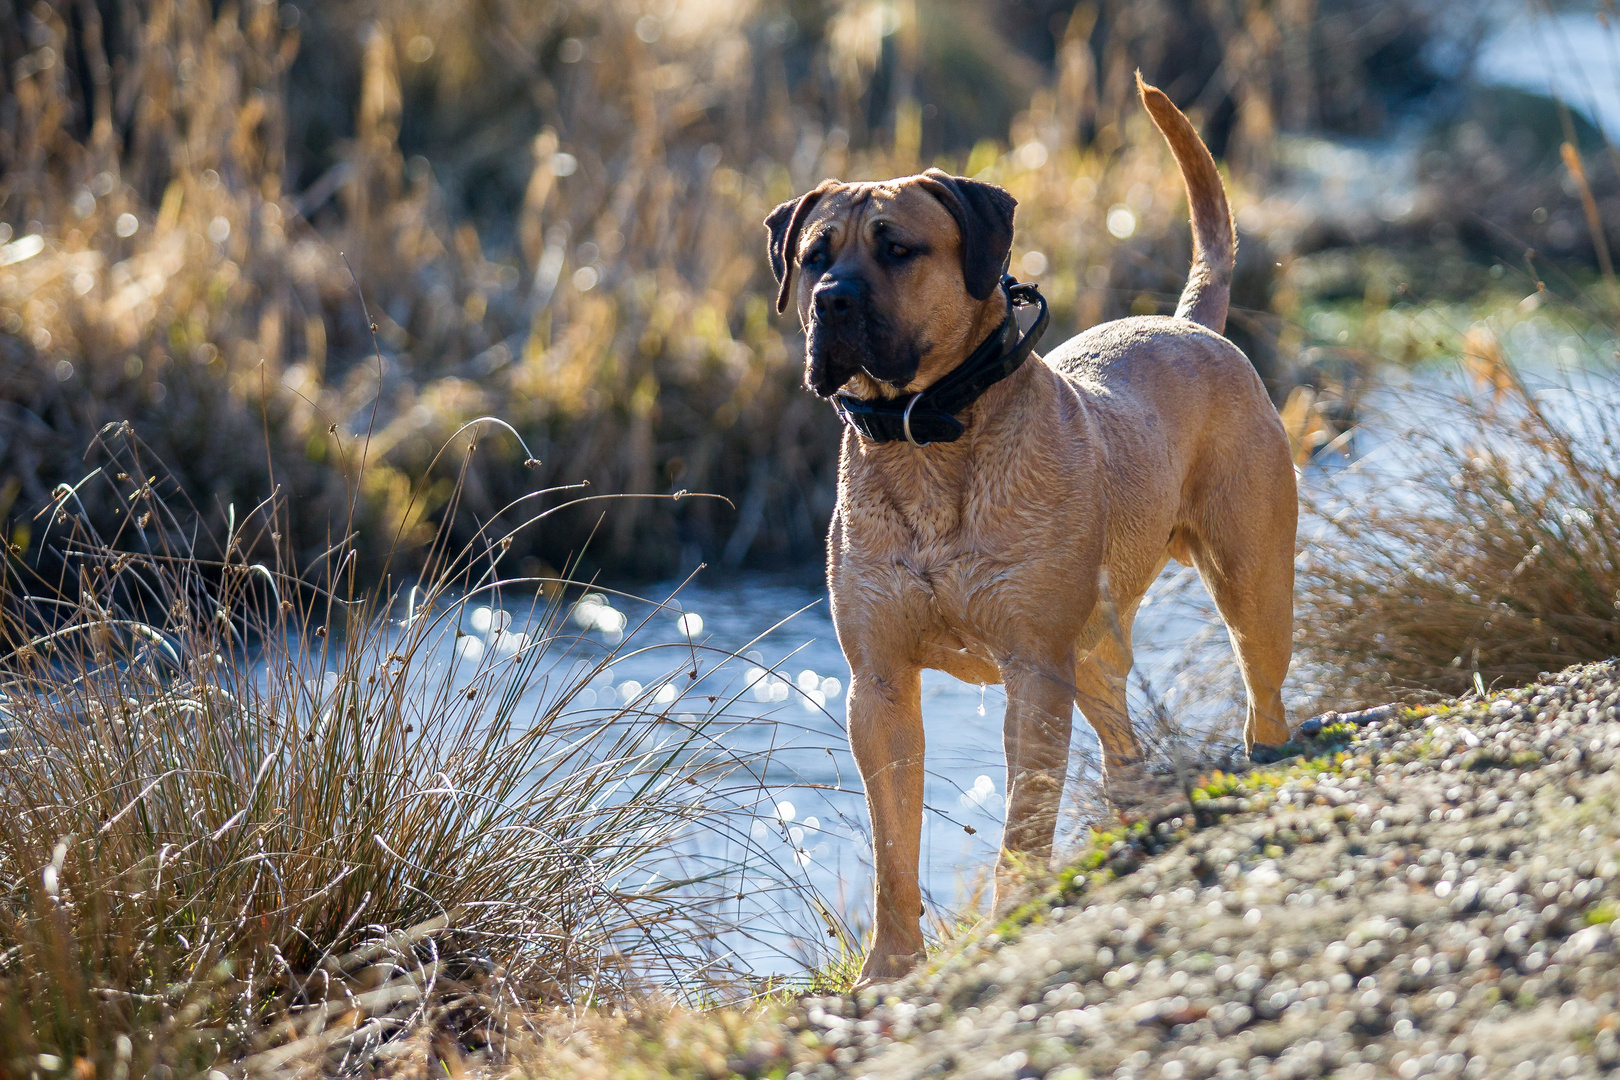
x=1011, y=541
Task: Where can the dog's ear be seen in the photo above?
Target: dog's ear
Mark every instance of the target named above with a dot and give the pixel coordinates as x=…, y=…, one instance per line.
x=783, y=224
x=984, y=216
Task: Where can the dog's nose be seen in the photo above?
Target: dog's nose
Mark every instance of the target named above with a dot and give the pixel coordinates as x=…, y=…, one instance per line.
x=836, y=298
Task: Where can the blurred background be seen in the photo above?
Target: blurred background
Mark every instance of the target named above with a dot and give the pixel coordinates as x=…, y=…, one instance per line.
x=551, y=212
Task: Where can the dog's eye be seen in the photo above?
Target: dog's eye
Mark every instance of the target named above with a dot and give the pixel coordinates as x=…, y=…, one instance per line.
x=814, y=257
x=898, y=251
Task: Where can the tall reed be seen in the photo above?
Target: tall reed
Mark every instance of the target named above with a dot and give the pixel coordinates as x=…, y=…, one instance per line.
x=555, y=209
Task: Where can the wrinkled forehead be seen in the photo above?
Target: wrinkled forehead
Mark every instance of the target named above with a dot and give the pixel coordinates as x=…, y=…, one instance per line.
x=865, y=209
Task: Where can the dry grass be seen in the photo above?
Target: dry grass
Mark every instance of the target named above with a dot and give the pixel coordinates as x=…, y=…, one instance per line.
x=1481, y=550
x=663, y=1042
x=254, y=812
x=579, y=252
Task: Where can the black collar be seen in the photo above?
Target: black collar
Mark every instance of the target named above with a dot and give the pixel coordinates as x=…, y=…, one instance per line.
x=930, y=416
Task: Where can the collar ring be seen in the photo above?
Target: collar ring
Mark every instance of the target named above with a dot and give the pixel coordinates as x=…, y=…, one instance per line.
x=905, y=420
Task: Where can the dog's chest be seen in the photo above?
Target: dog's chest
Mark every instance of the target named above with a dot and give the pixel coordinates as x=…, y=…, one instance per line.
x=958, y=589
x=932, y=546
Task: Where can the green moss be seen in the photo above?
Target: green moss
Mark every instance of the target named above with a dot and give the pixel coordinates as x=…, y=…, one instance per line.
x=1333, y=734
x=1218, y=786
x=1604, y=912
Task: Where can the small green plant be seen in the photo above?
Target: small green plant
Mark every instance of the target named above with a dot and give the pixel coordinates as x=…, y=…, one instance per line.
x=1219, y=785
x=836, y=976
x=1334, y=734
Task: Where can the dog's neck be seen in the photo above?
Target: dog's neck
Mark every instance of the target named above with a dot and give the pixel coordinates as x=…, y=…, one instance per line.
x=1004, y=397
x=928, y=488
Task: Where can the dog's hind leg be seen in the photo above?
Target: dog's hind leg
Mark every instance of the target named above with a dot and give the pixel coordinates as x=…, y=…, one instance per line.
x=1100, y=681
x=886, y=734
x=1040, y=714
x=1249, y=570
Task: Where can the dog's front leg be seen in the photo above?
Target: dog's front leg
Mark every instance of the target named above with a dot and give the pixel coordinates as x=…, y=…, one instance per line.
x=1040, y=707
x=886, y=734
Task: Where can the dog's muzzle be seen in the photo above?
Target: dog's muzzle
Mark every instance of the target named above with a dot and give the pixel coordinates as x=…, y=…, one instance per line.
x=848, y=335
x=834, y=348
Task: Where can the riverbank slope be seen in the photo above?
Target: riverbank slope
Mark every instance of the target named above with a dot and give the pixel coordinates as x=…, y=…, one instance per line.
x=1427, y=893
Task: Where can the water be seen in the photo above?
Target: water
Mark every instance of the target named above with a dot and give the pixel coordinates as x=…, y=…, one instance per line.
x=1351, y=183
x=765, y=651
x=1572, y=56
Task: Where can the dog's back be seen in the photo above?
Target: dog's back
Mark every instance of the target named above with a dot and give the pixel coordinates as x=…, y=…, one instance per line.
x=1172, y=386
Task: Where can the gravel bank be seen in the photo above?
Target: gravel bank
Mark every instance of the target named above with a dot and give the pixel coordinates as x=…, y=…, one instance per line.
x=1433, y=897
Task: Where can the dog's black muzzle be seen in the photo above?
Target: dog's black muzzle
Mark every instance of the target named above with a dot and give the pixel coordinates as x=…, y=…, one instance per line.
x=847, y=335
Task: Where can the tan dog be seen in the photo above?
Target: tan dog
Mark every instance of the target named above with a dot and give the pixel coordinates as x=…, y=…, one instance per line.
x=1018, y=553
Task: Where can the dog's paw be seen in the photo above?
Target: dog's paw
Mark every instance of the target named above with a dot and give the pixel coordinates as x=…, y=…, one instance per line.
x=881, y=968
x=1134, y=791
x=1261, y=754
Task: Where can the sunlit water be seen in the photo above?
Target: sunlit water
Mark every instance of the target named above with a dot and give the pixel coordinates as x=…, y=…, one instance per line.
x=1573, y=56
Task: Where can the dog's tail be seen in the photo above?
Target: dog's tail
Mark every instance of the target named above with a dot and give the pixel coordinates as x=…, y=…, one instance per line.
x=1209, y=285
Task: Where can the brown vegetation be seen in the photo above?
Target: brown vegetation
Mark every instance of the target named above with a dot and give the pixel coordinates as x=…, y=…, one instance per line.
x=1482, y=551
x=554, y=212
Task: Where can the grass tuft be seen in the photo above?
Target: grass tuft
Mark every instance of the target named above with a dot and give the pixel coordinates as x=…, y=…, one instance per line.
x=254, y=815
x=1484, y=558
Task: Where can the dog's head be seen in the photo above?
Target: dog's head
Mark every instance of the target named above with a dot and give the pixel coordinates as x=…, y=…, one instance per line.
x=897, y=280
